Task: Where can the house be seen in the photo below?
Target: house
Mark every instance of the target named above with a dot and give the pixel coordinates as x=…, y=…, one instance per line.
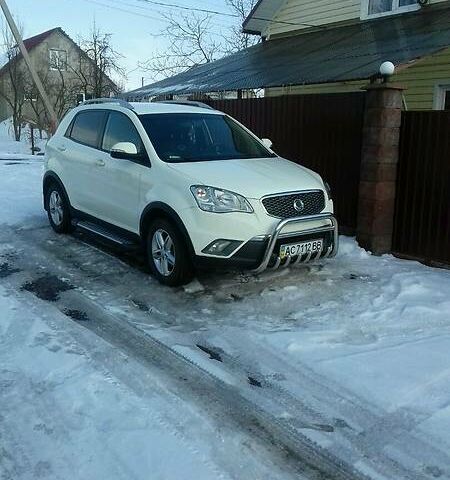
x=427, y=77
x=66, y=72
x=327, y=46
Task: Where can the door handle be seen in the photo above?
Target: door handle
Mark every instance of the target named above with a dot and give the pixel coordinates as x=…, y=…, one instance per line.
x=100, y=163
x=62, y=148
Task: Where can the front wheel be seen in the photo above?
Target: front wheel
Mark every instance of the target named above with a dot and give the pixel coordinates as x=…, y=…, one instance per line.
x=58, y=209
x=168, y=255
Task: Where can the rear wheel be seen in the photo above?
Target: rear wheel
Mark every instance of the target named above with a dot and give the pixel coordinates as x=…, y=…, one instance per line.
x=58, y=209
x=168, y=255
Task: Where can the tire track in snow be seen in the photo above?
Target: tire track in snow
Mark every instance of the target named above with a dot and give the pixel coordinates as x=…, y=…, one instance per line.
x=296, y=452
x=370, y=426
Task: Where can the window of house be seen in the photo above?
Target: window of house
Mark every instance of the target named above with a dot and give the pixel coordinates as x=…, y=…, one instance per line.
x=57, y=59
x=447, y=100
x=378, y=8
x=30, y=96
x=87, y=127
x=82, y=97
x=442, y=97
x=119, y=128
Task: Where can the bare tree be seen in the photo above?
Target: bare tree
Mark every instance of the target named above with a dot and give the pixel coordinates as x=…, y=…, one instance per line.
x=191, y=43
x=13, y=80
x=192, y=40
x=62, y=86
x=236, y=39
x=104, y=61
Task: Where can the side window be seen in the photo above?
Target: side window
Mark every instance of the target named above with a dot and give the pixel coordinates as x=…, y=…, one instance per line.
x=447, y=100
x=120, y=128
x=87, y=127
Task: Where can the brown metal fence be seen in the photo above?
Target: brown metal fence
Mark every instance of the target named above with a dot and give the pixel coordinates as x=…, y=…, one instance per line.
x=321, y=132
x=422, y=218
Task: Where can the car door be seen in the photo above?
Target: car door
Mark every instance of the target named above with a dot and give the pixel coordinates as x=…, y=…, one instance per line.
x=80, y=152
x=118, y=180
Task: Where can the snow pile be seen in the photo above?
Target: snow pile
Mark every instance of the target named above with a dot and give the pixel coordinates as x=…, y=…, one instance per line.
x=11, y=149
x=21, y=191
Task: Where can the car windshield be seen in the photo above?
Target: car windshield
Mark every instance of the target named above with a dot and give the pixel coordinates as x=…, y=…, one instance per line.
x=197, y=137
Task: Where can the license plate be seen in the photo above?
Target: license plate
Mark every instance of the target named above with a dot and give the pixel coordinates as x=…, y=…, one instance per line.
x=295, y=249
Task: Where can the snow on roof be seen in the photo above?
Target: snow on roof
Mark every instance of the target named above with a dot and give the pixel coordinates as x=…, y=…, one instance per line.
x=141, y=108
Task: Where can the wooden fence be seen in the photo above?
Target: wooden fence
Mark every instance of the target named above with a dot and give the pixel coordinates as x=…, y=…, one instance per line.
x=321, y=132
x=422, y=218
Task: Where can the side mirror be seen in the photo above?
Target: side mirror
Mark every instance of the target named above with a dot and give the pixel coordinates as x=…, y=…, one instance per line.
x=124, y=150
x=267, y=143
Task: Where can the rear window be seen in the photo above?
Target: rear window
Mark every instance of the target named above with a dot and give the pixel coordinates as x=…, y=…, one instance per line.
x=87, y=127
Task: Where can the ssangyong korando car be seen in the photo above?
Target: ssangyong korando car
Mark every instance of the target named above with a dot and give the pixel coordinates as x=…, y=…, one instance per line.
x=189, y=183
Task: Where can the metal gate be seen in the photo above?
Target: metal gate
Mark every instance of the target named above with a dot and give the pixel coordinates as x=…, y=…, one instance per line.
x=422, y=217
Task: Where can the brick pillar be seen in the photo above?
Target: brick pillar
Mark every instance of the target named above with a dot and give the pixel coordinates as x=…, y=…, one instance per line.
x=380, y=152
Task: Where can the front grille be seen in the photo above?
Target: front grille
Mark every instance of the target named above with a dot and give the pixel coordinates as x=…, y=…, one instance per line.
x=282, y=206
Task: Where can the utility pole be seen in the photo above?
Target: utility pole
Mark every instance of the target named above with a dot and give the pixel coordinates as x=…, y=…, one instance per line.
x=26, y=57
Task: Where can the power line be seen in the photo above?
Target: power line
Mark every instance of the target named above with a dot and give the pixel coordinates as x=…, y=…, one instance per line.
x=138, y=14
x=201, y=10
x=224, y=14
x=113, y=7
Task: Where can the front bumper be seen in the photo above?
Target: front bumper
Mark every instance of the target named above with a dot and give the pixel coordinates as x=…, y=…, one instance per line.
x=331, y=248
x=262, y=252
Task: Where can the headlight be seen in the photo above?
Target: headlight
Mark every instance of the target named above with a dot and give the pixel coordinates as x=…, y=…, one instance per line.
x=216, y=200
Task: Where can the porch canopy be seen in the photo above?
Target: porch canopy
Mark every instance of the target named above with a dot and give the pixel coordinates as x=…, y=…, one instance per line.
x=352, y=52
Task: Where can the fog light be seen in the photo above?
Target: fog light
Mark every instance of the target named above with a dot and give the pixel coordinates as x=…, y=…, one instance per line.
x=222, y=247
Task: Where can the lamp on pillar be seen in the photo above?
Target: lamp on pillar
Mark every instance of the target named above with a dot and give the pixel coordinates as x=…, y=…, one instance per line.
x=387, y=69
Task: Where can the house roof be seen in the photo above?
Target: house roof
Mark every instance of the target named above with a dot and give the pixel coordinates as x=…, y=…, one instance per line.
x=31, y=43
x=352, y=52
x=261, y=15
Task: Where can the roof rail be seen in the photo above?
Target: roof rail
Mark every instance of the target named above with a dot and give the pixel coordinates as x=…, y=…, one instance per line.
x=119, y=101
x=191, y=103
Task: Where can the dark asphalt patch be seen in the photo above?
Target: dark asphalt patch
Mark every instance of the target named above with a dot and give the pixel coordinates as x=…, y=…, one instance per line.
x=6, y=270
x=323, y=427
x=143, y=307
x=76, y=315
x=255, y=383
x=47, y=287
x=213, y=355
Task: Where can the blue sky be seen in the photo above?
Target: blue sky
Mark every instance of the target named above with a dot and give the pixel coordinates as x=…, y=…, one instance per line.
x=133, y=23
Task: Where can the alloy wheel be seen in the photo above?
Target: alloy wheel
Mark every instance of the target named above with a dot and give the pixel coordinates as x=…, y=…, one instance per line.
x=56, y=208
x=163, y=252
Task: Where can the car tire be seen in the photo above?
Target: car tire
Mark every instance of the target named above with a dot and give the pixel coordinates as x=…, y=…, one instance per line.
x=58, y=209
x=168, y=255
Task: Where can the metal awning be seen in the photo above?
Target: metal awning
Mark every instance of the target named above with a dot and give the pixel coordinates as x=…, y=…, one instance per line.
x=352, y=52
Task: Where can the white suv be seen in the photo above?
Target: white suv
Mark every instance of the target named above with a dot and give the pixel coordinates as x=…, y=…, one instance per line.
x=189, y=183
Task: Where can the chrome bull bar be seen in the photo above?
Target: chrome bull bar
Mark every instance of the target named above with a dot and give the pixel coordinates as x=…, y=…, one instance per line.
x=273, y=238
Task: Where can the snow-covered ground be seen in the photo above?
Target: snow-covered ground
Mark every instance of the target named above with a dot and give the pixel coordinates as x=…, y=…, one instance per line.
x=350, y=356
x=10, y=149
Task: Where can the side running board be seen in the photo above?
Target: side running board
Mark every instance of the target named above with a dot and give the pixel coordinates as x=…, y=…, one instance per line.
x=93, y=228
